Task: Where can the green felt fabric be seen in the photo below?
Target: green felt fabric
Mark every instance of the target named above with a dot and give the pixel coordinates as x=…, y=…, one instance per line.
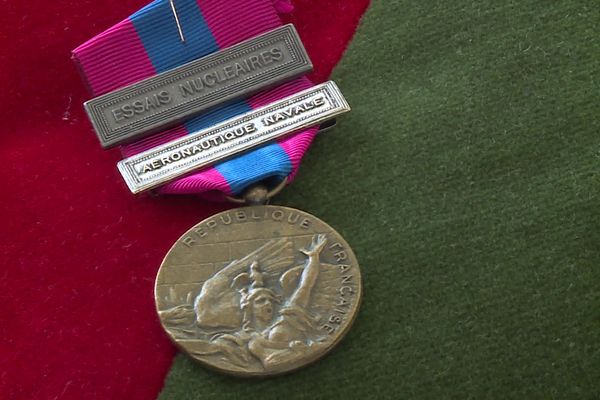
x=466, y=179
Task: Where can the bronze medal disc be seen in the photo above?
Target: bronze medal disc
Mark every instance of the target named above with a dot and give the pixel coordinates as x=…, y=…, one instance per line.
x=258, y=291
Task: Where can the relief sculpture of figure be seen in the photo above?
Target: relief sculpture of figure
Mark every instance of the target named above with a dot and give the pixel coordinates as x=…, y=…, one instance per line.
x=257, y=313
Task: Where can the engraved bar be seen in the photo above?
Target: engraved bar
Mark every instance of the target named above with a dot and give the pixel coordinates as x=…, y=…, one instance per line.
x=163, y=100
x=180, y=157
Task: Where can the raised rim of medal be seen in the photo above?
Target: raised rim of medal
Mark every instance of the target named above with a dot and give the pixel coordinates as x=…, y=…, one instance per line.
x=307, y=362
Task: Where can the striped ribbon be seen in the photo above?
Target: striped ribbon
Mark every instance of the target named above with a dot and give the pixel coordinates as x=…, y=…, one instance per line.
x=148, y=43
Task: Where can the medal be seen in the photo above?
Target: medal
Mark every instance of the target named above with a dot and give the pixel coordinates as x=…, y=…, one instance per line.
x=209, y=107
x=259, y=290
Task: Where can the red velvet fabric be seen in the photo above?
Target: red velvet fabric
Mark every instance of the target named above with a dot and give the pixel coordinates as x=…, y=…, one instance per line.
x=79, y=253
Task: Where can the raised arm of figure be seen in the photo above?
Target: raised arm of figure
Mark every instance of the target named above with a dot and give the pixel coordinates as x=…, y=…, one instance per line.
x=301, y=295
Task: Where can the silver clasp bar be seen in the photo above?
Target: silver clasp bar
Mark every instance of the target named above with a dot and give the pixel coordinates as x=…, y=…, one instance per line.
x=164, y=163
x=161, y=101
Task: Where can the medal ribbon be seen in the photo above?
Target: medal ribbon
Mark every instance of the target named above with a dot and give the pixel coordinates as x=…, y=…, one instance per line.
x=148, y=43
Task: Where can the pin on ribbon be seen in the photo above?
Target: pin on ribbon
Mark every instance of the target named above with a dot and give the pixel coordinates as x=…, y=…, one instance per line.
x=174, y=9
